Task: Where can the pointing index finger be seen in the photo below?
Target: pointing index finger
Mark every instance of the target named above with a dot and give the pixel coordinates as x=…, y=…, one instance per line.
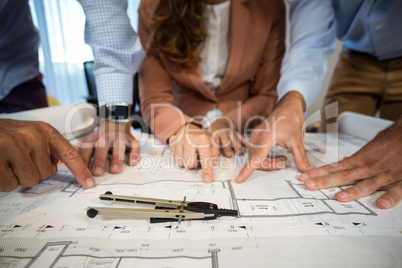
x=255, y=159
x=205, y=155
x=300, y=157
x=63, y=150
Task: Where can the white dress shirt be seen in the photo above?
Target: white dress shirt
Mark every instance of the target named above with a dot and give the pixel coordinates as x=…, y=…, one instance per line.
x=214, y=52
x=117, y=51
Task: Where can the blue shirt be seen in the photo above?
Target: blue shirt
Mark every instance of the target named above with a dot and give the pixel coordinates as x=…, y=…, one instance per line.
x=117, y=51
x=19, y=41
x=371, y=26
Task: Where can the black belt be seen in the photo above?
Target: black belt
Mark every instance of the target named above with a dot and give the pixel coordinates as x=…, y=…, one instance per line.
x=355, y=52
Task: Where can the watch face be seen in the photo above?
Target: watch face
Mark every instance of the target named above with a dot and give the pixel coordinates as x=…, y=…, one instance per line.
x=113, y=112
x=119, y=112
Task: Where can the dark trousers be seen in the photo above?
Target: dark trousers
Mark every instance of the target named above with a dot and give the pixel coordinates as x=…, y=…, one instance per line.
x=26, y=96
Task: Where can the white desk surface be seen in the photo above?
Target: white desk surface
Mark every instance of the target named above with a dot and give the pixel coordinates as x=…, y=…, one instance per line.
x=281, y=224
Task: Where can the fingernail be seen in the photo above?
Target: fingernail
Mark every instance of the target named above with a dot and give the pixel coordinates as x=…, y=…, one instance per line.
x=229, y=154
x=343, y=195
x=384, y=203
x=98, y=171
x=303, y=177
x=239, y=152
x=281, y=165
x=310, y=183
x=206, y=178
x=238, y=179
x=116, y=168
x=90, y=183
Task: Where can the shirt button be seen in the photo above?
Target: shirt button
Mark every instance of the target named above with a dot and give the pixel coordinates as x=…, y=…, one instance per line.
x=378, y=27
x=383, y=48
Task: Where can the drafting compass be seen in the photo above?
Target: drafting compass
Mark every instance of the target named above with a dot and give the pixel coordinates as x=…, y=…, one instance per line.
x=165, y=210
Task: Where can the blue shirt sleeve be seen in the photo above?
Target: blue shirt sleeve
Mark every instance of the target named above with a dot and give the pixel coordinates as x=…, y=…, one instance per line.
x=312, y=41
x=117, y=51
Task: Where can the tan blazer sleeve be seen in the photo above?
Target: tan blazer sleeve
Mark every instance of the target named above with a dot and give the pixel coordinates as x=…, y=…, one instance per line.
x=263, y=91
x=156, y=86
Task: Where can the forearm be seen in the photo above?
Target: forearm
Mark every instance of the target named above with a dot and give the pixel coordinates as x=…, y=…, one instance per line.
x=117, y=51
x=292, y=99
x=165, y=120
x=304, y=68
x=255, y=108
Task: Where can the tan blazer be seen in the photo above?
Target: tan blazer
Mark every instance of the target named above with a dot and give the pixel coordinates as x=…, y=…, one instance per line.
x=257, y=45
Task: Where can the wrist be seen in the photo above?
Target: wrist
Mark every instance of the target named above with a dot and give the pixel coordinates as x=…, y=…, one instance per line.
x=188, y=125
x=293, y=99
x=107, y=124
x=223, y=123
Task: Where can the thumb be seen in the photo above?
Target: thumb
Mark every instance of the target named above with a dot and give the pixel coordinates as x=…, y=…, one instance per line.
x=63, y=150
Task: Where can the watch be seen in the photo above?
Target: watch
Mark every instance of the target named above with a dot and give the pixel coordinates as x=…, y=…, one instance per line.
x=115, y=112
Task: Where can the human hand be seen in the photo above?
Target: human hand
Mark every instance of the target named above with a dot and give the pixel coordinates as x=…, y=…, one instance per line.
x=30, y=152
x=376, y=166
x=190, y=145
x=110, y=136
x=224, y=136
x=285, y=128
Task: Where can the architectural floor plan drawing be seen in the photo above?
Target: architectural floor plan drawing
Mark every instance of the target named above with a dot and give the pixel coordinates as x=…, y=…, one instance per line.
x=47, y=226
x=94, y=253
x=304, y=203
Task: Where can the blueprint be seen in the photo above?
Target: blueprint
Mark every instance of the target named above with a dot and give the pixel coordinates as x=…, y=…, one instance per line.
x=279, y=220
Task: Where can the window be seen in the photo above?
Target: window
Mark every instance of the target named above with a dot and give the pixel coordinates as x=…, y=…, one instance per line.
x=62, y=50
